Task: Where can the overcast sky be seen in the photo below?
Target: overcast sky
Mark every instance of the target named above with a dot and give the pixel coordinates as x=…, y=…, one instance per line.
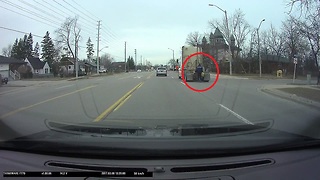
x=150, y=26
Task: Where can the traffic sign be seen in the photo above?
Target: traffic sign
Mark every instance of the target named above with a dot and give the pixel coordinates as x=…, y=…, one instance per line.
x=295, y=60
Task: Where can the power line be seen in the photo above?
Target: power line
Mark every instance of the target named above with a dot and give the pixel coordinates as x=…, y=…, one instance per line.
x=27, y=16
x=85, y=29
x=80, y=22
x=78, y=14
x=35, y=14
x=92, y=15
x=35, y=35
x=85, y=9
x=110, y=35
x=34, y=7
x=79, y=11
x=26, y=10
x=109, y=32
x=49, y=8
x=70, y=11
x=19, y=31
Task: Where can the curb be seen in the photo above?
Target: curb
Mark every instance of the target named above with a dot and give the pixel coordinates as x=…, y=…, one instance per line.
x=73, y=79
x=15, y=86
x=294, y=98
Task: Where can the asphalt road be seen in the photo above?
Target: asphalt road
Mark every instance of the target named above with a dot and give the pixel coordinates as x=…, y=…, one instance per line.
x=142, y=99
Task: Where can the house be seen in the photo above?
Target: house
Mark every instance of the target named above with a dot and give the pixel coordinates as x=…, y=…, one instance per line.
x=7, y=69
x=118, y=66
x=67, y=66
x=90, y=67
x=38, y=67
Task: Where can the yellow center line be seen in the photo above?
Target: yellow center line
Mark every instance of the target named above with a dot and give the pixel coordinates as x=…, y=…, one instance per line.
x=122, y=103
x=42, y=102
x=117, y=103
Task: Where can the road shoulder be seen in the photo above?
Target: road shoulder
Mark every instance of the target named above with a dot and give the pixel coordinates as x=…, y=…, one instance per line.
x=294, y=93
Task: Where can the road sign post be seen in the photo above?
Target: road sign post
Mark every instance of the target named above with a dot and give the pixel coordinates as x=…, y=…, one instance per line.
x=295, y=61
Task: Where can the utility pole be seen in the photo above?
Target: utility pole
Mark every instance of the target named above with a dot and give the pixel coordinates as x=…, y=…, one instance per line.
x=125, y=56
x=98, y=40
x=76, y=57
x=141, y=62
x=227, y=36
x=135, y=58
x=259, y=54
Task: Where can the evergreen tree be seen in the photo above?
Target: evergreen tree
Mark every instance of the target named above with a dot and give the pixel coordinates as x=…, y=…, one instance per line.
x=29, y=46
x=14, y=50
x=47, y=49
x=130, y=63
x=90, y=50
x=25, y=47
x=35, y=52
x=21, y=50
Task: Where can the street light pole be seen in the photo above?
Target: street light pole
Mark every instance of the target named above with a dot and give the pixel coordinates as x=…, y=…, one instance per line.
x=259, y=55
x=227, y=36
x=98, y=60
x=172, y=53
x=98, y=39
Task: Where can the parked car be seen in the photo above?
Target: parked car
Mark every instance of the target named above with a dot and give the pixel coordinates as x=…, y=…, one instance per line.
x=4, y=80
x=103, y=71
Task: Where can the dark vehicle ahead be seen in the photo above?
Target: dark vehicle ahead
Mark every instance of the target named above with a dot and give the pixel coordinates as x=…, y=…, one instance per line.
x=4, y=80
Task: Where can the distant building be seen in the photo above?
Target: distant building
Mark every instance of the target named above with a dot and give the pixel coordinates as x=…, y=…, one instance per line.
x=218, y=48
x=118, y=66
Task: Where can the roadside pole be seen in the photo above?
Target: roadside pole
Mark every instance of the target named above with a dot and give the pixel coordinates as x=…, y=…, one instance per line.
x=295, y=61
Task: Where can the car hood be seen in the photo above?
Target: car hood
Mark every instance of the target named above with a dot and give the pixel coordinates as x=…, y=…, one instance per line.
x=185, y=140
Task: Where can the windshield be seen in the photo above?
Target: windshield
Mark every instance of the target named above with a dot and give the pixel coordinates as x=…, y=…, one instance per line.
x=188, y=75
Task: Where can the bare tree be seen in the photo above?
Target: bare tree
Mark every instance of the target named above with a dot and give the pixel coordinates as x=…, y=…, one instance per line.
x=222, y=25
x=295, y=43
x=241, y=29
x=237, y=25
x=69, y=35
x=106, y=60
x=275, y=42
x=194, y=39
x=308, y=24
x=6, y=51
x=310, y=29
x=306, y=7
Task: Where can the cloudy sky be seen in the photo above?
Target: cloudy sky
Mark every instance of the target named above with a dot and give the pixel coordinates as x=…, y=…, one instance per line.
x=150, y=26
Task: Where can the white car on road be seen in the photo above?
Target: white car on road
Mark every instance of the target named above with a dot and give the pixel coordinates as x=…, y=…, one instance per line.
x=161, y=71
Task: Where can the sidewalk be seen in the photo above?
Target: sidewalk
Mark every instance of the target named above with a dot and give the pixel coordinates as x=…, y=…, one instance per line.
x=263, y=77
x=39, y=81
x=305, y=94
x=24, y=83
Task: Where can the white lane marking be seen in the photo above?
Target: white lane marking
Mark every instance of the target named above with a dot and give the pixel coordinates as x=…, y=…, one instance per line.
x=183, y=83
x=65, y=86
x=237, y=115
x=126, y=77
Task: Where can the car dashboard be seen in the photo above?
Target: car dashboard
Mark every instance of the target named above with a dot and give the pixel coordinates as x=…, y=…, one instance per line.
x=295, y=164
